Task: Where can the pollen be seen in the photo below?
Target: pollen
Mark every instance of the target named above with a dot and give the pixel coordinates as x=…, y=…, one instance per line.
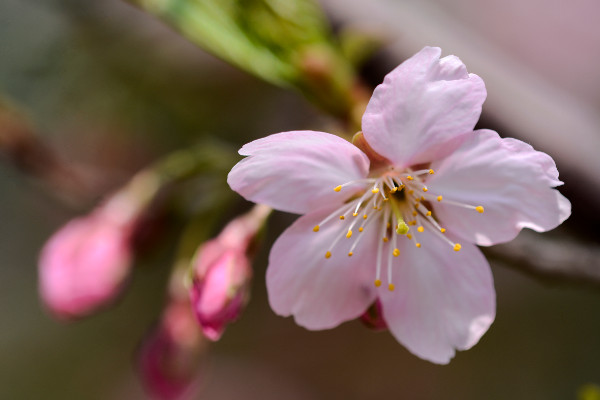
x=425, y=189
x=377, y=282
x=442, y=230
x=418, y=245
x=385, y=239
x=342, y=217
x=457, y=247
x=479, y=209
x=349, y=234
x=431, y=172
x=439, y=198
x=396, y=252
x=316, y=228
x=414, y=213
x=350, y=254
x=391, y=287
x=328, y=254
x=360, y=229
x=365, y=216
x=375, y=190
x=354, y=214
x=409, y=236
x=428, y=213
x=421, y=229
x=394, y=189
x=410, y=178
x=338, y=188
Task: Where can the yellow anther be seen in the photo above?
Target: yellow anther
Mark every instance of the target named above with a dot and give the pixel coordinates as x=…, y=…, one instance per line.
x=374, y=207
x=411, y=191
x=479, y=209
x=385, y=199
x=402, y=186
x=350, y=254
x=417, y=200
x=410, y=178
x=379, y=208
x=388, y=225
x=328, y=254
x=377, y=282
x=391, y=287
x=428, y=213
x=385, y=239
x=375, y=190
x=417, y=204
x=316, y=228
x=409, y=236
x=442, y=230
x=425, y=189
x=457, y=247
x=418, y=245
x=354, y=214
x=431, y=172
x=421, y=229
x=412, y=223
x=414, y=213
x=439, y=198
x=396, y=252
x=360, y=229
x=342, y=217
x=365, y=216
x=402, y=228
x=337, y=188
x=422, y=198
x=394, y=189
x=349, y=234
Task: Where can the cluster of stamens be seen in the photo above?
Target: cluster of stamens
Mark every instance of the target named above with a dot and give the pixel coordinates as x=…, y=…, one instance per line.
x=400, y=200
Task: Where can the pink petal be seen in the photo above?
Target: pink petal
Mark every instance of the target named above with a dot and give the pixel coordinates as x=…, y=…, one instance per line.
x=443, y=300
x=422, y=108
x=297, y=171
x=321, y=293
x=511, y=180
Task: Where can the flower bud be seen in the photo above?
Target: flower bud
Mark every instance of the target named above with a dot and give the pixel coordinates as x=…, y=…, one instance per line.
x=222, y=273
x=84, y=265
x=373, y=317
x=169, y=358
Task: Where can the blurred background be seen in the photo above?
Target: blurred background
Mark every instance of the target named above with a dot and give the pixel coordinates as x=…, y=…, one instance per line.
x=110, y=88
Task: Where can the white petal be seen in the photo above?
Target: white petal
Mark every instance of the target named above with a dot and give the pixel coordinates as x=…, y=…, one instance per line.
x=443, y=301
x=423, y=108
x=321, y=292
x=297, y=171
x=512, y=182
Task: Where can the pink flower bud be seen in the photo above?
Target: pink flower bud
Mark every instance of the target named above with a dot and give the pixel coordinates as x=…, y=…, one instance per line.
x=220, y=288
x=169, y=358
x=373, y=317
x=222, y=273
x=84, y=265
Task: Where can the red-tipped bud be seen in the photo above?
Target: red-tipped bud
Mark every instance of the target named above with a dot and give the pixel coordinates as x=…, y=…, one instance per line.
x=169, y=359
x=373, y=317
x=222, y=273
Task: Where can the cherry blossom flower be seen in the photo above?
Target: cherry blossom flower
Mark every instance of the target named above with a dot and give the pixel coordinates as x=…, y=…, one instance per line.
x=397, y=220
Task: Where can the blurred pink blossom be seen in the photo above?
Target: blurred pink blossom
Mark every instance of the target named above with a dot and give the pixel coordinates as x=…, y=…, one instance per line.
x=222, y=273
x=169, y=359
x=396, y=207
x=84, y=265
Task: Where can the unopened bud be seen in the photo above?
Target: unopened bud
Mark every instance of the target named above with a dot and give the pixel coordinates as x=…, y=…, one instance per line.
x=222, y=273
x=373, y=317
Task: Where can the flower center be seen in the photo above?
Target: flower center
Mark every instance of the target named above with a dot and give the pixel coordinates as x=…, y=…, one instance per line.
x=395, y=206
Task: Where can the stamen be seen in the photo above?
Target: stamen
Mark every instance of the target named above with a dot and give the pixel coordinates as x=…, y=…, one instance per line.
x=316, y=228
x=421, y=229
x=377, y=282
x=457, y=247
x=431, y=172
x=439, y=198
x=410, y=178
x=342, y=217
x=349, y=234
x=328, y=254
x=396, y=252
x=418, y=245
x=338, y=188
x=391, y=287
x=479, y=209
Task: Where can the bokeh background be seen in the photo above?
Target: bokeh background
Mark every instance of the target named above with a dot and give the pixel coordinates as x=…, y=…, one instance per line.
x=110, y=87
